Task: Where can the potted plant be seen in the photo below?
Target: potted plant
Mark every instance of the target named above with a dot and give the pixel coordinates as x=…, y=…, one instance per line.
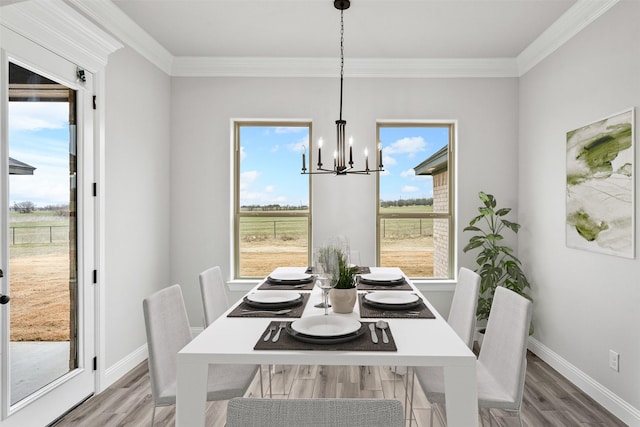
x=498, y=266
x=344, y=295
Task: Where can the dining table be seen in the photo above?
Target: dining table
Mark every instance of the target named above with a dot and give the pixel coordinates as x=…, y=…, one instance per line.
x=236, y=337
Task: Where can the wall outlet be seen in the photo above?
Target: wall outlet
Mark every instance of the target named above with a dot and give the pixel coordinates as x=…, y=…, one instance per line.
x=614, y=360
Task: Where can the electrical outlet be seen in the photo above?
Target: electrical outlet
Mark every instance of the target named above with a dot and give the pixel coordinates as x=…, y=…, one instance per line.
x=614, y=360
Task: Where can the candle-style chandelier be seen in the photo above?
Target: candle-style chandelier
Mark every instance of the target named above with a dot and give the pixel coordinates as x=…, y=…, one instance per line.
x=340, y=164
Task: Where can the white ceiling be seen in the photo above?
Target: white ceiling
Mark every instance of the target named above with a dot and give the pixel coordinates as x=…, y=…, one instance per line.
x=373, y=28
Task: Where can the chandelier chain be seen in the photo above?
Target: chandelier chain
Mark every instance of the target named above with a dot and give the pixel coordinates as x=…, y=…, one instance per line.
x=341, y=57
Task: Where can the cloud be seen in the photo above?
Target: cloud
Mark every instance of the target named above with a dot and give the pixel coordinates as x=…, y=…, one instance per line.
x=410, y=189
x=247, y=178
x=409, y=146
x=387, y=160
x=299, y=146
x=289, y=129
x=269, y=188
x=409, y=173
x=34, y=116
x=275, y=148
x=243, y=154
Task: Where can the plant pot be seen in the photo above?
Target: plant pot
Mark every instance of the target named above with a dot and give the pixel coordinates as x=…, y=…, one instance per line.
x=343, y=300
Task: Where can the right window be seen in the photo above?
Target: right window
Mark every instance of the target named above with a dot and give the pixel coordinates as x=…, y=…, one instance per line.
x=415, y=198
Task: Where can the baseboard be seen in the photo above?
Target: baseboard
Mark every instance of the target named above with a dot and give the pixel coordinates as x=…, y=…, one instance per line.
x=605, y=397
x=124, y=366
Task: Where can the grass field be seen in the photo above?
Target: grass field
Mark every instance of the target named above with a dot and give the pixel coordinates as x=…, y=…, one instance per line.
x=40, y=271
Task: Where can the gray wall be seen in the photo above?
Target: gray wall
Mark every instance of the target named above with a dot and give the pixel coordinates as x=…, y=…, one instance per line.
x=585, y=303
x=201, y=172
x=137, y=196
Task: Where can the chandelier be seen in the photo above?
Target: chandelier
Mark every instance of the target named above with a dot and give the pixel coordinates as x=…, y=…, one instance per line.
x=340, y=164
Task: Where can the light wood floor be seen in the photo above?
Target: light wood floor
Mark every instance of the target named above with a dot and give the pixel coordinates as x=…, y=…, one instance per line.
x=549, y=399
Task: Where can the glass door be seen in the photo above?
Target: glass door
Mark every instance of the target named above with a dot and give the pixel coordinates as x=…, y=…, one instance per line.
x=47, y=321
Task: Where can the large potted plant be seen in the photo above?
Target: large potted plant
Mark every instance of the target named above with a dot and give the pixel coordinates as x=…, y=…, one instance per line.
x=498, y=266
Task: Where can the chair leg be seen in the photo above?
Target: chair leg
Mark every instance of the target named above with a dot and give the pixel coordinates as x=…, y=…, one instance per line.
x=153, y=415
x=261, y=385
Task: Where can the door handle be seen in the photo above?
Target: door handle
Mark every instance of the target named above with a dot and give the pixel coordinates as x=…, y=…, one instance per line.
x=4, y=299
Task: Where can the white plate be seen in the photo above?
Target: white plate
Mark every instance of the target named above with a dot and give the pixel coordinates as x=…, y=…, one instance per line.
x=325, y=326
x=391, y=297
x=288, y=276
x=382, y=277
x=273, y=297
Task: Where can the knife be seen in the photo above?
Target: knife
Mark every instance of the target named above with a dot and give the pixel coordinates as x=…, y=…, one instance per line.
x=374, y=337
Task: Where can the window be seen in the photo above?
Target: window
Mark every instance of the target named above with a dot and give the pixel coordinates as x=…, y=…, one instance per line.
x=415, y=194
x=272, y=215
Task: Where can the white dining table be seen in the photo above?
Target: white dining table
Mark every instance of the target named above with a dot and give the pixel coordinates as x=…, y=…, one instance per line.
x=420, y=342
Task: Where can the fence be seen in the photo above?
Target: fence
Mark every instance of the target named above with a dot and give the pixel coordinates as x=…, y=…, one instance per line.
x=394, y=228
x=21, y=235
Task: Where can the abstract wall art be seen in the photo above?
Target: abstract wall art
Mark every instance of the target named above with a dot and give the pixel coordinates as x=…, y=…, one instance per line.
x=600, y=186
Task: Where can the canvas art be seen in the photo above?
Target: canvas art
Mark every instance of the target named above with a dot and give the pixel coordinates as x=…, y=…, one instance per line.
x=600, y=186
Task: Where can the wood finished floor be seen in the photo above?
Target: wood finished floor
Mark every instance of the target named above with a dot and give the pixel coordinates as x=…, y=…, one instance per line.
x=549, y=399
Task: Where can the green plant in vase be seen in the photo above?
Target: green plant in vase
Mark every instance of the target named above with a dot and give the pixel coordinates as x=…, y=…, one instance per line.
x=498, y=266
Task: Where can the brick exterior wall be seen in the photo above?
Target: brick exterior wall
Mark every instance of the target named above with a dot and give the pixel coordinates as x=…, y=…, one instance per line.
x=441, y=226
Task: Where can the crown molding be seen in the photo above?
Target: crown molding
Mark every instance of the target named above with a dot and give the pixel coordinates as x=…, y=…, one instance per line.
x=124, y=28
x=574, y=20
x=354, y=67
x=62, y=30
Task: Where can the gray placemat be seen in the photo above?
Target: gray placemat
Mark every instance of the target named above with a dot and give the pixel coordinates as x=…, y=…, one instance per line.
x=267, y=285
x=368, y=287
x=296, y=311
x=421, y=311
x=362, y=343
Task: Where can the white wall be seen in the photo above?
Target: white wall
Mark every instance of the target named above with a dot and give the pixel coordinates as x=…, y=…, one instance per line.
x=202, y=110
x=137, y=191
x=585, y=303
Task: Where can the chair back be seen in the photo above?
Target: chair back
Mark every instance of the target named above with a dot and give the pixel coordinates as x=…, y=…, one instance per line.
x=504, y=348
x=168, y=330
x=462, y=315
x=214, y=297
x=252, y=412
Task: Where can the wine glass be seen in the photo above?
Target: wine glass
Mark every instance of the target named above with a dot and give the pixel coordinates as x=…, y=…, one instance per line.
x=327, y=271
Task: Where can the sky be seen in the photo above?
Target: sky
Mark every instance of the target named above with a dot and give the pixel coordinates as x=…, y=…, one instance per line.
x=39, y=136
x=271, y=161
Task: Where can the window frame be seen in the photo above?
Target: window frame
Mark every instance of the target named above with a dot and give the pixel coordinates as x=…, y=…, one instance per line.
x=450, y=215
x=238, y=214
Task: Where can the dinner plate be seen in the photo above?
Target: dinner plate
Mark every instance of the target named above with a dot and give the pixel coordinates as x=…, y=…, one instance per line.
x=382, y=277
x=326, y=340
x=290, y=278
x=273, y=299
x=391, y=297
x=325, y=326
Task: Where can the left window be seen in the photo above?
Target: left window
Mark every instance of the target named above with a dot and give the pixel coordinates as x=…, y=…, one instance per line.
x=272, y=219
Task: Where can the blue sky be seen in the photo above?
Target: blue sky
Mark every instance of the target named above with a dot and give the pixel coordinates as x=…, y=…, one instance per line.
x=271, y=160
x=39, y=136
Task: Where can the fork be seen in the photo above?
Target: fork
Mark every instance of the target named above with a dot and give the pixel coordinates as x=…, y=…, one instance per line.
x=276, y=337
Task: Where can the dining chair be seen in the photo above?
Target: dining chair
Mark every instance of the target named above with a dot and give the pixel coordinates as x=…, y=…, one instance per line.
x=214, y=297
x=462, y=314
x=215, y=302
x=317, y=412
x=502, y=363
x=168, y=330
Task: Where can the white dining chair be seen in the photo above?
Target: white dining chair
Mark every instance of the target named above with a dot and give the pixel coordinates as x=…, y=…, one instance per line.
x=502, y=363
x=215, y=302
x=318, y=412
x=462, y=314
x=168, y=330
x=214, y=297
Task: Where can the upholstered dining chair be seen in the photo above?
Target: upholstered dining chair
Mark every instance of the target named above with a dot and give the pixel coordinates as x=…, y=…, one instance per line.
x=462, y=314
x=168, y=330
x=214, y=297
x=502, y=363
x=250, y=412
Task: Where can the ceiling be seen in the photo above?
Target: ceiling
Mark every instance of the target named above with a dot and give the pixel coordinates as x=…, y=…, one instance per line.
x=388, y=29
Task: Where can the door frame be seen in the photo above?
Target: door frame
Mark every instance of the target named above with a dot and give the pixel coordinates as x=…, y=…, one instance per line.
x=60, y=29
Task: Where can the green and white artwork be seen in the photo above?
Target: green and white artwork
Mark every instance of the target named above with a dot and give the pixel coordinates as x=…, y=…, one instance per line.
x=600, y=186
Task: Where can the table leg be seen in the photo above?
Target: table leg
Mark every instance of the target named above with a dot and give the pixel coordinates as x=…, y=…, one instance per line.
x=191, y=393
x=461, y=396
